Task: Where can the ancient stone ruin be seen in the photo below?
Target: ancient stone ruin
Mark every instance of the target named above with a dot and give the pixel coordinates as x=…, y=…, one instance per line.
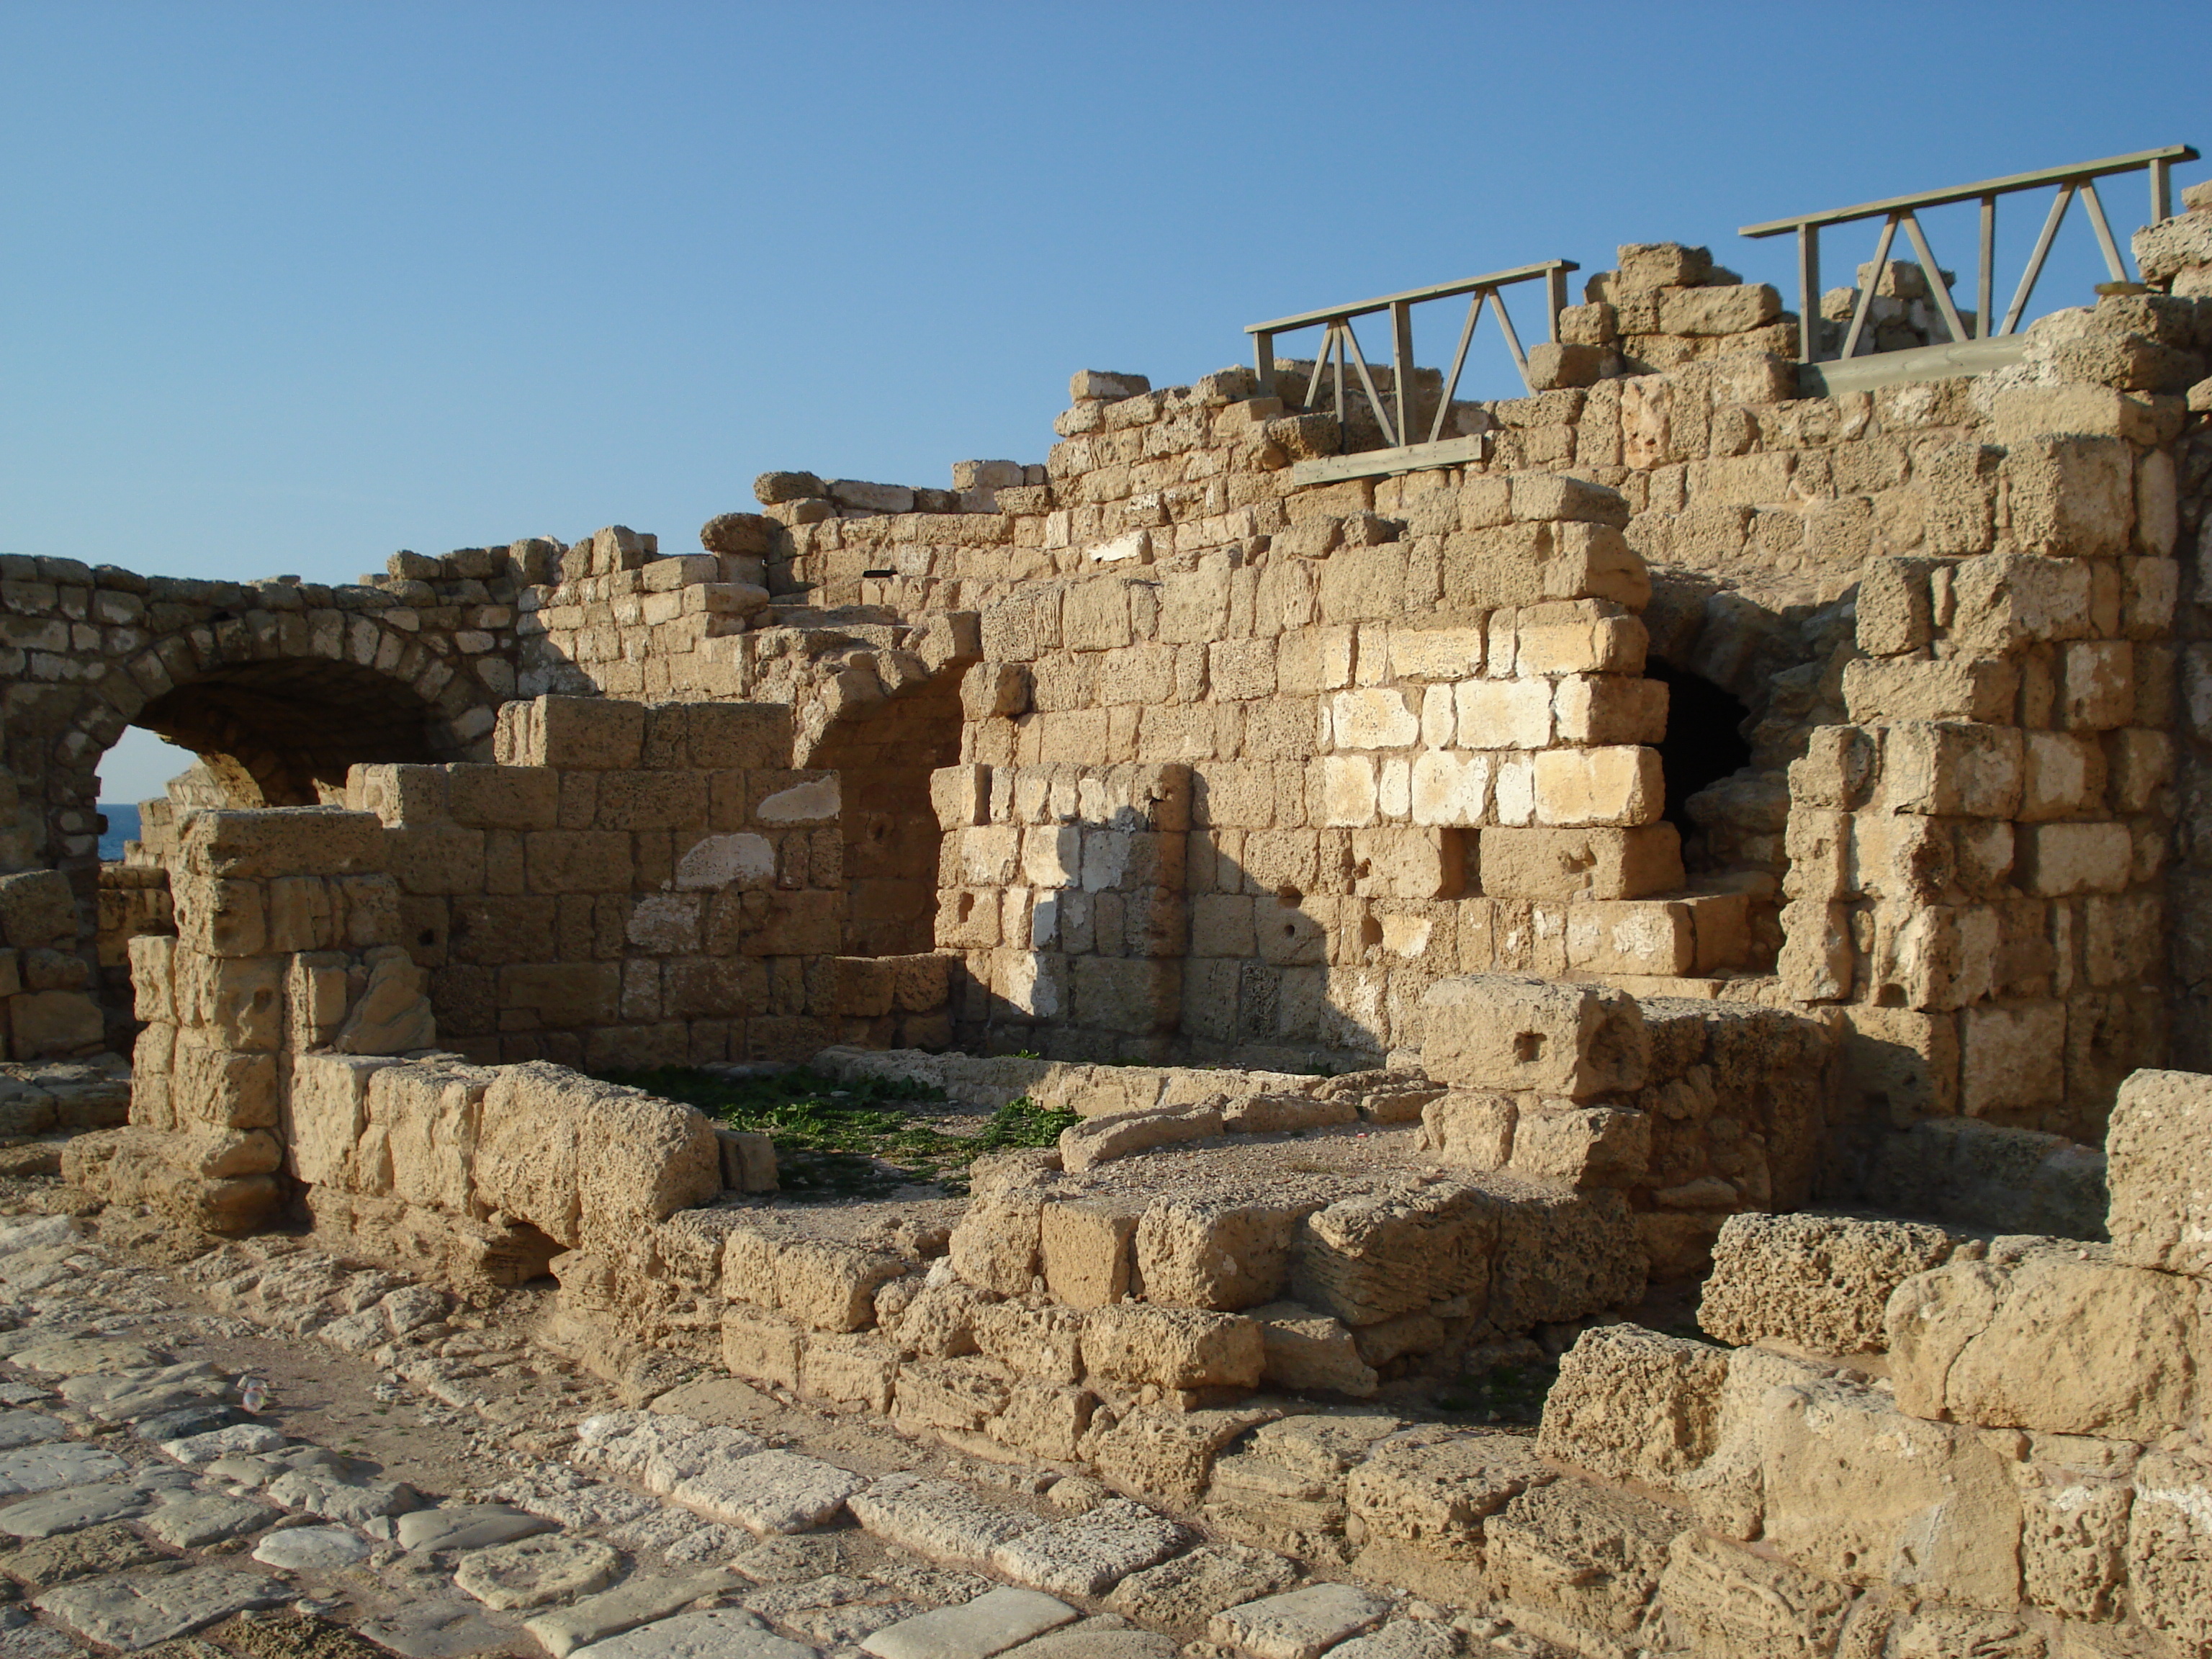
x=1710, y=822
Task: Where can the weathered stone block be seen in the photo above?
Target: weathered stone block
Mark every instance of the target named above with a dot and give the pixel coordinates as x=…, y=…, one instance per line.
x=1507, y=1032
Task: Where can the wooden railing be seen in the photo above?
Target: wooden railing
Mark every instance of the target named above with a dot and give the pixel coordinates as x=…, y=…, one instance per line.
x=1338, y=342
x=1904, y=210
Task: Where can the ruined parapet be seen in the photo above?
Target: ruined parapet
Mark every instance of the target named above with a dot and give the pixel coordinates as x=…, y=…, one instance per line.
x=2026, y=1470
x=286, y=941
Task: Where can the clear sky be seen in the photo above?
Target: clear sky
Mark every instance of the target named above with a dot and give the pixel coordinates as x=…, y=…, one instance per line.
x=285, y=287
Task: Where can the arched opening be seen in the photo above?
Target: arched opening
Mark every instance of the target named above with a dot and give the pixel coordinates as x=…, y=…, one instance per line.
x=284, y=733
x=1705, y=742
x=884, y=752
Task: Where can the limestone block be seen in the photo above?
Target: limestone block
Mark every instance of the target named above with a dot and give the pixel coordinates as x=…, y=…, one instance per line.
x=763, y=1347
x=44, y=1024
x=216, y=1088
x=1556, y=496
x=2070, y=494
x=392, y=1015
x=1816, y=1282
x=1578, y=636
x=221, y=917
x=1472, y=1128
x=2056, y=859
x=995, y=1246
x=1713, y=311
x=1856, y=1491
x=1539, y=863
x=2169, y=1557
x=1632, y=1405
x=1584, y=1555
x=1225, y=1253
x=859, y=1369
x=2053, y=1337
x=1584, y=1146
x=1098, y=1140
x=1368, y=1257
x=586, y=1162
x=1087, y=1247
x=1952, y=769
x=1043, y=1343
x=1921, y=689
x=1345, y=789
x=1450, y=788
x=37, y=909
x=1306, y=1349
x=1299, y=1624
x=1172, y=1347
x=1504, y=713
x=1631, y=936
x=748, y=1161
x=585, y=733
x=1728, y=1600
x=1435, y=1496
x=1563, y=1253
x=961, y=796
x=1597, y=710
x=429, y=1116
x=830, y=1286
x=1375, y=717
x=1516, y=1034
x=2159, y=1149
x=1617, y=785
x=281, y=842
x=2004, y=600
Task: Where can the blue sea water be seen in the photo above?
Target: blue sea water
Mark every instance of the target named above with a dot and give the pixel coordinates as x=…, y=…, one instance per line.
x=121, y=826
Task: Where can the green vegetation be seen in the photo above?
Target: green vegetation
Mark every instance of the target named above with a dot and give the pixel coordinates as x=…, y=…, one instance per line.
x=849, y=1139
x=1504, y=1394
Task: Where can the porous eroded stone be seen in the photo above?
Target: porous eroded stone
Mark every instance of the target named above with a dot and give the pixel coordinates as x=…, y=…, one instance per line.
x=137, y=1609
x=935, y=1518
x=717, y=1633
x=1816, y=1282
x=1632, y=1405
x=563, y=1630
x=1183, y=1593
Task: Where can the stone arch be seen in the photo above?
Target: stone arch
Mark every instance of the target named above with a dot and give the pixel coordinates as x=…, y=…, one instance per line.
x=284, y=701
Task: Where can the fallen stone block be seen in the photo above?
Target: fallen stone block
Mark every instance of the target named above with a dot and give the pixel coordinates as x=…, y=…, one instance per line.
x=1098, y=1140
x=1729, y=1600
x=1588, y=1555
x=1397, y=1250
x=1436, y=1494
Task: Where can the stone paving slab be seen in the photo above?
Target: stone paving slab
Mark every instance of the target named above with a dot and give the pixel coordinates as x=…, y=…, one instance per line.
x=198, y=1522
x=43, y=1468
x=1301, y=1624
x=445, y=1628
x=109, y=1547
x=990, y=1624
x=313, y=1549
x=67, y=1511
x=637, y=1602
x=467, y=1527
x=722, y=1633
x=1088, y=1640
x=335, y=1498
x=29, y=1428
x=1092, y=1553
x=240, y=1439
x=1402, y=1639
x=771, y=1492
x=74, y=1356
x=935, y=1518
x=1184, y=1593
x=136, y=1610
x=533, y=1573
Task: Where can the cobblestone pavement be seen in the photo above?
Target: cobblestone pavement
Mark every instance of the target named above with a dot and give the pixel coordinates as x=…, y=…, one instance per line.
x=261, y=1451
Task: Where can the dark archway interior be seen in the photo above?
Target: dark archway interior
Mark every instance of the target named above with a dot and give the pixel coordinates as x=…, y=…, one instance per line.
x=884, y=754
x=1704, y=741
x=284, y=733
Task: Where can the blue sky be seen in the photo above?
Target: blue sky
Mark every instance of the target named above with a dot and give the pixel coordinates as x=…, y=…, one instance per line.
x=285, y=287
